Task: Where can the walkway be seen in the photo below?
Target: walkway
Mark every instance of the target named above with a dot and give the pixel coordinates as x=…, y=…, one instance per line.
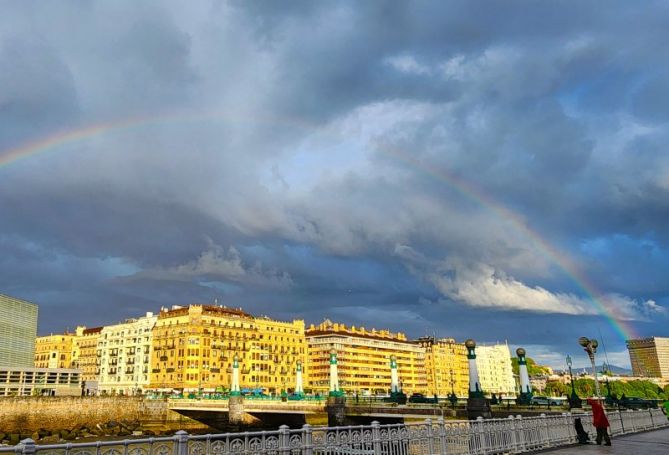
x=649, y=443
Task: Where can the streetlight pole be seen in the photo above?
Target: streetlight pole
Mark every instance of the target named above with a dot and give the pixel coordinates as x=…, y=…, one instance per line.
x=574, y=400
x=590, y=346
x=452, y=397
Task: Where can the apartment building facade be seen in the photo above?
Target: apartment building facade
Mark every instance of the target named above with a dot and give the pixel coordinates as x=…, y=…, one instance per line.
x=54, y=351
x=363, y=359
x=124, y=356
x=194, y=347
x=495, y=370
x=447, y=366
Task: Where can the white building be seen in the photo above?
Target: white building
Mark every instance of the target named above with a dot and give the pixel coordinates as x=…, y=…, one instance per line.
x=124, y=353
x=25, y=382
x=495, y=371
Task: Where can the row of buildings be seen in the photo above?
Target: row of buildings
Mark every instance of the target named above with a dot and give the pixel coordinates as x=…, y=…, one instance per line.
x=191, y=348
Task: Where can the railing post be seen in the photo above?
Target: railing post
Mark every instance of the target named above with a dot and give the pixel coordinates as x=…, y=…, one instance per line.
x=376, y=437
x=568, y=428
x=181, y=442
x=26, y=447
x=514, y=436
x=430, y=442
x=632, y=422
x=284, y=436
x=546, y=431
x=521, y=433
x=442, y=435
x=307, y=439
x=481, y=433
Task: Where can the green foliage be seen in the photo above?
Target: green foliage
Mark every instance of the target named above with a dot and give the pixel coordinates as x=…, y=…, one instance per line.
x=586, y=387
x=532, y=367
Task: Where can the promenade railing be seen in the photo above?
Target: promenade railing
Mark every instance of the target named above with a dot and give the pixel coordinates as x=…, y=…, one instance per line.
x=477, y=437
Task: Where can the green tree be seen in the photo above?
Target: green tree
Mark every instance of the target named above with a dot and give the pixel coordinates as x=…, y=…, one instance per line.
x=532, y=367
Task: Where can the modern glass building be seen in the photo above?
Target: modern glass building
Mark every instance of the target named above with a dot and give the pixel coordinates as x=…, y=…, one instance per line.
x=18, y=330
x=649, y=357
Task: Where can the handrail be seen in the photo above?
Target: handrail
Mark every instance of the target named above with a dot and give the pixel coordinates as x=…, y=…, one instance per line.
x=477, y=437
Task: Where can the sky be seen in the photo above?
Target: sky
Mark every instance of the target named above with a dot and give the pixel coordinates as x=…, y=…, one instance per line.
x=491, y=170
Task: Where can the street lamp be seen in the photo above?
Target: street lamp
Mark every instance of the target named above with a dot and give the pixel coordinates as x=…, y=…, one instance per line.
x=590, y=346
x=453, y=398
x=574, y=400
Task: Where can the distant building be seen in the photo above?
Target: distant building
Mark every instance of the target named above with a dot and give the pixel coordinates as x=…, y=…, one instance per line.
x=363, y=359
x=649, y=357
x=54, y=351
x=85, y=357
x=538, y=382
x=39, y=381
x=125, y=355
x=446, y=365
x=18, y=329
x=495, y=371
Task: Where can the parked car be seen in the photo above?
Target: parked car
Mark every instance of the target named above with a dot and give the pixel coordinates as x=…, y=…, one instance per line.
x=546, y=401
x=420, y=398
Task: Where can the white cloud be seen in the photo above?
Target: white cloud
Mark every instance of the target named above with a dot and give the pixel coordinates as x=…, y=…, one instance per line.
x=407, y=64
x=481, y=285
x=218, y=264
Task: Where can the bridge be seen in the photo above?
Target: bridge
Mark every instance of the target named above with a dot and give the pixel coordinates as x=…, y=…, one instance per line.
x=251, y=410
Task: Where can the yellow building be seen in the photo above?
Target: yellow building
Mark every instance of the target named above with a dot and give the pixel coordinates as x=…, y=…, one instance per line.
x=85, y=356
x=363, y=358
x=193, y=349
x=54, y=351
x=447, y=366
x=649, y=357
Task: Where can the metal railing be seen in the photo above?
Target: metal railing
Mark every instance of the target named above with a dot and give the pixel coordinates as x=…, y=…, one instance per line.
x=477, y=437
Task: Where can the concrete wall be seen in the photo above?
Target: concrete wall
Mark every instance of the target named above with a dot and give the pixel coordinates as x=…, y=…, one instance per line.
x=32, y=413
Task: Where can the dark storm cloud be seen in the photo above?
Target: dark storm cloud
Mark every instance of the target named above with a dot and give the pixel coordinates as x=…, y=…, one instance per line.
x=38, y=90
x=303, y=159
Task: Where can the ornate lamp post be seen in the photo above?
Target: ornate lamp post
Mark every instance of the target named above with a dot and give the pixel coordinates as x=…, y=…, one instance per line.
x=234, y=383
x=525, y=396
x=477, y=405
x=334, y=377
x=396, y=393
x=574, y=400
x=590, y=346
x=299, y=390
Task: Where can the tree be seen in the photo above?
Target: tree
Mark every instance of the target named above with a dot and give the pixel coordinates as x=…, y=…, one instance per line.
x=533, y=369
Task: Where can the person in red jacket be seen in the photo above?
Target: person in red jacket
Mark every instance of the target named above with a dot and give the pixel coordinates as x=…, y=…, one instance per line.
x=600, y=422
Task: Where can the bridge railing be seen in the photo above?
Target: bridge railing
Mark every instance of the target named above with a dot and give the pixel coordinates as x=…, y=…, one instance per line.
x=477, y=437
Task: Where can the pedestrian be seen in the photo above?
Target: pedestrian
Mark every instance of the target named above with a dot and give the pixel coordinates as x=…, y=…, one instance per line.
x=600, y=422
x=581, y=434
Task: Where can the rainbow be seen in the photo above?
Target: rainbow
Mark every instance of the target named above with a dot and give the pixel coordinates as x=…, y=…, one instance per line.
x=615, y=319
x=467, y=189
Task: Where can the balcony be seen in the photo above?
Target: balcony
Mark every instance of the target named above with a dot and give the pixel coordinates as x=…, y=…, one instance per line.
x=155, y=370
x=163, y=358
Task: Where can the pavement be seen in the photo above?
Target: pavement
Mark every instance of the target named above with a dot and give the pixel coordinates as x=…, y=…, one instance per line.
x=649, y=443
